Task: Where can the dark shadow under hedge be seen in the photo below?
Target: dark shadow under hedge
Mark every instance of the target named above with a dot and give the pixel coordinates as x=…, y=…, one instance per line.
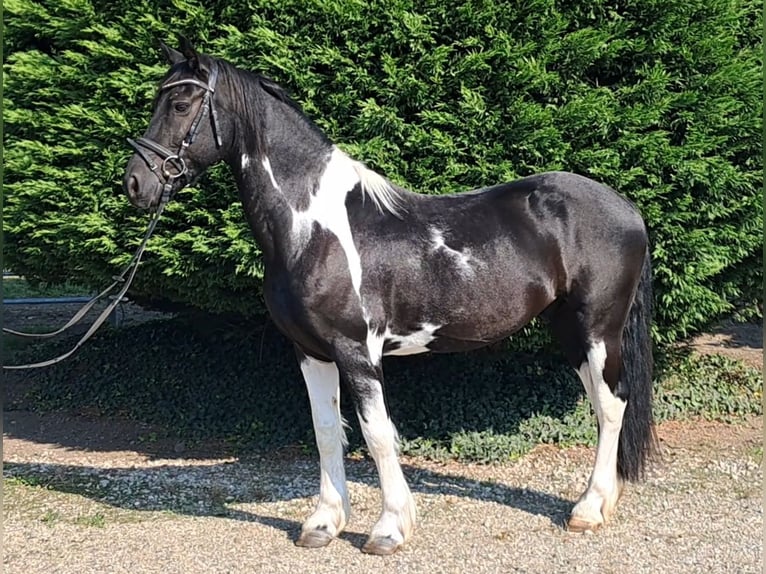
x=204, y=379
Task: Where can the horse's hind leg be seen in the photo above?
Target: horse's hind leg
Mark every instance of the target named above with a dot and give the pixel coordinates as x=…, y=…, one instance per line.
x=596, y=358
x=397, y=519
x=332, y=510
x=599, y=500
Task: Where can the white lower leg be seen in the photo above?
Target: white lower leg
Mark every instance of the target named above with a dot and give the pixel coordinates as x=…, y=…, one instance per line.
x=333, y=508
x=598, y=501
x=584, y=372
x=397, y=519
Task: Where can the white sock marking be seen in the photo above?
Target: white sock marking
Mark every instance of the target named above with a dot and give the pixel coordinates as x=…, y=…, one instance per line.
x=584, y=373
x=603, y=487
x=398, y=516
x=322, y=383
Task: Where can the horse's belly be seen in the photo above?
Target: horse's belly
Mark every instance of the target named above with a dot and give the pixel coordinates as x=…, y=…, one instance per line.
x=404, y=351
x=444, y=338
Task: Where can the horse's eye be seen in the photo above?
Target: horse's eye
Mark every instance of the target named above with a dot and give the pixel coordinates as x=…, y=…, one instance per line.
x=181, y=106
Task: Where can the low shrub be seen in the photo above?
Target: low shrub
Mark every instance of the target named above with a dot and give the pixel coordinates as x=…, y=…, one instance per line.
x=200, y=381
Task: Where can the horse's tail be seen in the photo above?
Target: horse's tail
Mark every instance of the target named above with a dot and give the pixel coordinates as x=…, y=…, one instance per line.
x=637, y=438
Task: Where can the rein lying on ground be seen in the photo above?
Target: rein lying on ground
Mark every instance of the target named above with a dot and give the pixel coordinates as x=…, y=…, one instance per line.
x=357, y=268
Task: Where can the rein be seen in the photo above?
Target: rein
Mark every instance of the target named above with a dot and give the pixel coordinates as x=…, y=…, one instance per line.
x=125, y=277
x=167, y=178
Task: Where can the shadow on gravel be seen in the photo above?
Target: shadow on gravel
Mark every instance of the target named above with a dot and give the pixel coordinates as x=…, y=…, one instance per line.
x=207, y=383
x=292, y=528
x=95, y=433
x=227, y=490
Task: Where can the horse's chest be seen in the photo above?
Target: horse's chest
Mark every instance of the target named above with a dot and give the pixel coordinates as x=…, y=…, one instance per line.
x=287, y=309
x=280, y=302
x=310, y=311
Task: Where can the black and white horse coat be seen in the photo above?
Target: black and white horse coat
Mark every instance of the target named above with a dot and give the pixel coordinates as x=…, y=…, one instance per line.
x=357, y=268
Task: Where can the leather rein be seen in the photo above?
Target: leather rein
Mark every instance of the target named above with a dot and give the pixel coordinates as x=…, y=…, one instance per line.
x=171, y=168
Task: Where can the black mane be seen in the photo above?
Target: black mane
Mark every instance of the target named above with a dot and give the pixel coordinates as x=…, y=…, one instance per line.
x=250, y=94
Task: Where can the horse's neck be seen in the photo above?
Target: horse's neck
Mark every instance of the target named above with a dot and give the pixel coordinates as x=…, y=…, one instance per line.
x=276, y=183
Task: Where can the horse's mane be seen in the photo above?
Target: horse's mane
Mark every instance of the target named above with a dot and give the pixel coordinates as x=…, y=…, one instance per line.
x=250, y=89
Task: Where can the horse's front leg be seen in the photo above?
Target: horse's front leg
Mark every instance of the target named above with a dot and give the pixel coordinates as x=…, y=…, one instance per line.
x=332, y=511
x=397, y=519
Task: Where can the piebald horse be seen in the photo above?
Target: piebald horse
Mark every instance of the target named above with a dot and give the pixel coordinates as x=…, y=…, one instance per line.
x=357, y=268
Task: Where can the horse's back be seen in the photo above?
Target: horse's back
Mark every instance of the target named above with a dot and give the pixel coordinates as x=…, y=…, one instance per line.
x=519, y=223
x=554, y=221
x=552, y=195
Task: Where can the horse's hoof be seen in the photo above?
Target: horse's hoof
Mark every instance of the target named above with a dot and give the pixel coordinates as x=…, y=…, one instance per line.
x=575, y=524
x=315, y=538
x=381, y=546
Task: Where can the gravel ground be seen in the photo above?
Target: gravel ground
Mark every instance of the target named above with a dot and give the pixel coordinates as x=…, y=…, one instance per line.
x=86, y=494
x=87, y=509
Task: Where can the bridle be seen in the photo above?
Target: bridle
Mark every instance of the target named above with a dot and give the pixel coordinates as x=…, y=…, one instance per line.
x=173, y=165
x=170, y=169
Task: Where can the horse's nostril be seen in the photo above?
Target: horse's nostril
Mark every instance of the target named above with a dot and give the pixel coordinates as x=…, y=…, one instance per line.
x=131, y=186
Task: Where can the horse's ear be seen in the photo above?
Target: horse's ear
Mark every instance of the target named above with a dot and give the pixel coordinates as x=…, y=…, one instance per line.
x=171, y=55
x=189, y=53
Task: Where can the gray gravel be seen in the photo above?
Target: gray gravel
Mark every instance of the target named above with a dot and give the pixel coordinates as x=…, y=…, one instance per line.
x=73, y=511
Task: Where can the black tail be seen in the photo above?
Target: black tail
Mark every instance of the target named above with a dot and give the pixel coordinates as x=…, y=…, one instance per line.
x=637, y=438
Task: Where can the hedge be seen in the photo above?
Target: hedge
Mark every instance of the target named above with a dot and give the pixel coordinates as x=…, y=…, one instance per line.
x=661, y=100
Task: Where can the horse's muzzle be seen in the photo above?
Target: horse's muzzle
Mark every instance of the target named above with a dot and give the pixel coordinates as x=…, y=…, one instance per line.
x=141, y=186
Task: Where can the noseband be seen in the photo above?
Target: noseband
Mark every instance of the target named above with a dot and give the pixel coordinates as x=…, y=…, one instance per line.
x=173, y=165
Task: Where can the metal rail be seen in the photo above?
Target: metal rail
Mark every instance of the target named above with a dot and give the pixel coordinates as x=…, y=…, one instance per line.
x=115, y=318
x=45, y=300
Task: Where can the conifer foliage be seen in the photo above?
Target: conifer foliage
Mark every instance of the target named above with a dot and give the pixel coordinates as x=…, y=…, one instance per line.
x=660, y=100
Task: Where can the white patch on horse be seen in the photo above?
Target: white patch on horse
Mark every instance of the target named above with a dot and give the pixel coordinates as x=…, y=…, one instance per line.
x=267, y=166
x=328, y=209
x=598, y=501
x=333, y=509
x=412, y=343
x=375, y=342
x=461, y=259
x=245, y=161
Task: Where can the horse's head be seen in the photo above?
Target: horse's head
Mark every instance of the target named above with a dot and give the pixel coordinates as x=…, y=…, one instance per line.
x=185, y=135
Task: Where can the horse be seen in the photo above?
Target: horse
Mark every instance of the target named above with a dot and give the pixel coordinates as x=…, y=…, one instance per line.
x=357, y=268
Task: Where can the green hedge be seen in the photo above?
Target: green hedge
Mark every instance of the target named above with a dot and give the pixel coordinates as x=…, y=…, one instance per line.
x=661, y=100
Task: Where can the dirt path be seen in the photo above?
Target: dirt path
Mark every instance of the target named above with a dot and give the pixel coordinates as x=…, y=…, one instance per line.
x=741, y=341
x=94, y=495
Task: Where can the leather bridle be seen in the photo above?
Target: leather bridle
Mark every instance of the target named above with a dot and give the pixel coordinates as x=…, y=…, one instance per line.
x=173, y=165
x=170, y=169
